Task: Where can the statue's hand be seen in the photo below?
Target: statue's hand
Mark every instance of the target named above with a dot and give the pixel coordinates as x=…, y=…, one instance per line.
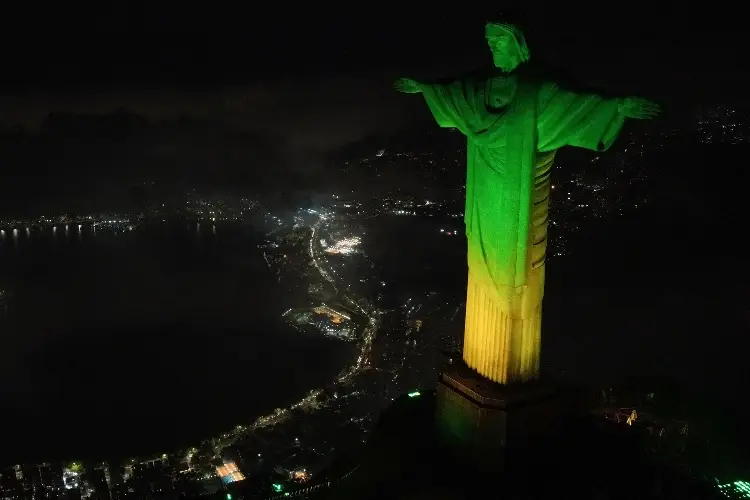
x=407, y=86
x=639, y=108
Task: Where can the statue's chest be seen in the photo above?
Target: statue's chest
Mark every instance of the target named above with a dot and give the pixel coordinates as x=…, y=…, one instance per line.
x=499, y=92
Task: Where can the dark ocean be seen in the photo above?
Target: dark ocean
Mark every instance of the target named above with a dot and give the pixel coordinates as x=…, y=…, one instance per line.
x=141, y=341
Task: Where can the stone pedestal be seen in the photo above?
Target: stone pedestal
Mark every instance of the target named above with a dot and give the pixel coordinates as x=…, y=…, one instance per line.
x=486, y=423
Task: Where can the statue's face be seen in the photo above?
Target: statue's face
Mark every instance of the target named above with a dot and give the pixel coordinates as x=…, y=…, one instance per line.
x=505, y=53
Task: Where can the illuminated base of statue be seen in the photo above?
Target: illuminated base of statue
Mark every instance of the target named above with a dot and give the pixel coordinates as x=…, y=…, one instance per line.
x=486, y=422
x=503, y=342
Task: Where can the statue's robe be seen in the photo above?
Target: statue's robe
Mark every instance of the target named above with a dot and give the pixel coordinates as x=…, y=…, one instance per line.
x=510, y=155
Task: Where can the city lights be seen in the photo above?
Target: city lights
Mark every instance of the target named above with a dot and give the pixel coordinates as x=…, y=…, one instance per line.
x=345, y=246
x=337, y=289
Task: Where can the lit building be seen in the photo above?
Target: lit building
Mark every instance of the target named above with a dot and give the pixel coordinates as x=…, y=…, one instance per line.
x=344, y=246
x=72, y=476
x=229, y=473
x=737, y=489
x=335, y=315
x=300, y=475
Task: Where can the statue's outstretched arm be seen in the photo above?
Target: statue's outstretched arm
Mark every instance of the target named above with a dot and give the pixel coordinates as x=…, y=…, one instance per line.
x=638, y=108
x=587, y=120
x=407, y=86
x=411, y=86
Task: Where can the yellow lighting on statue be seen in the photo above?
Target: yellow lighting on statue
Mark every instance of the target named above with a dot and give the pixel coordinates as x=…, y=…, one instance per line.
x=502, y=337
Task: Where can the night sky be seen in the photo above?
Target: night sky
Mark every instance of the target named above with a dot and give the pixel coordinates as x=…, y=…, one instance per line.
x=294, y=84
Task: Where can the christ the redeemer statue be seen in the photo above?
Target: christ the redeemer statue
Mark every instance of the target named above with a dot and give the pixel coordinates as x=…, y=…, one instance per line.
x=514, y=125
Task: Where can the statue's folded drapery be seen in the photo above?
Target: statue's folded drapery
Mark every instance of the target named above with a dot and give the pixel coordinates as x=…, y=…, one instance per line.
x=509, y=160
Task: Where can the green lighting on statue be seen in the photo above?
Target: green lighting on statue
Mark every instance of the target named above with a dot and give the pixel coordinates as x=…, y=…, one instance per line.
x=229, y=496
x=277, y=487
x=413, y=394
x=514, y=122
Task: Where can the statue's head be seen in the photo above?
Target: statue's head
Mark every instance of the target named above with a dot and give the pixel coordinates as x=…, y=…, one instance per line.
x=507, y=44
